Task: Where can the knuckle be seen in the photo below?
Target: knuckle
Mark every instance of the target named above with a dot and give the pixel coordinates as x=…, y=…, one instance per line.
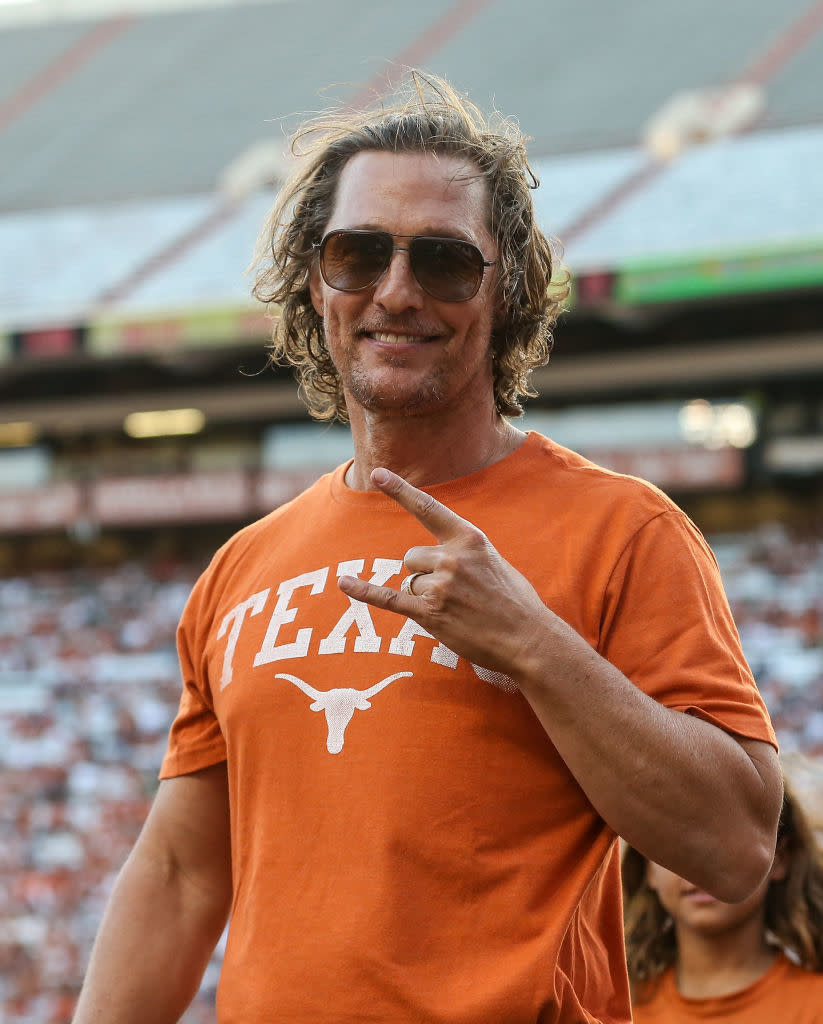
x=476, y=540
x=426, y=504
x=448, y=563
x=410, y=556
x=389, y=599
x=437, y=599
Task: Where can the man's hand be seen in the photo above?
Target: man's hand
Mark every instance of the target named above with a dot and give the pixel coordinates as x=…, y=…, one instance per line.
x=651, y=772
x=469, y=598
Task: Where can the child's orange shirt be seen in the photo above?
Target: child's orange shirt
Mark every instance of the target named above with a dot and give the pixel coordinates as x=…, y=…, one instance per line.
x=785, y=994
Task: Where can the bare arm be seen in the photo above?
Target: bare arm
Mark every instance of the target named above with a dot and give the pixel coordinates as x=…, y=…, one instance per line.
x=686, y=794
x=683, y=792
x=167, y=910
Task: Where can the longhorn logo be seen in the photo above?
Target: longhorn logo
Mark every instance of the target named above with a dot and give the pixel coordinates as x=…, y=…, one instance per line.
x=339, y=704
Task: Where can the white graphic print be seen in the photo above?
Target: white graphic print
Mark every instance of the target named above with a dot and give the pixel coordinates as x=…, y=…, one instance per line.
x=339, y=704
x=255, y=604
x=291, y=632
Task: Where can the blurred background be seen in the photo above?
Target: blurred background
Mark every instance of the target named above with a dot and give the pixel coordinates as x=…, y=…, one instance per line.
x=679, y=148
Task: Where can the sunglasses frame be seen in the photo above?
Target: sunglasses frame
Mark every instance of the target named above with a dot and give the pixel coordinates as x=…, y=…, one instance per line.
x=321, y=246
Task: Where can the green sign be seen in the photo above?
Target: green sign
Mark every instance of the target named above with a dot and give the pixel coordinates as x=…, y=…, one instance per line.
x=676, y=280
x=118, y=333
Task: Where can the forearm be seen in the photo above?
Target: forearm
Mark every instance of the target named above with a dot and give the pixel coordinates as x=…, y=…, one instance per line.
x=685, y=793
x=680, y=790
x=153, y=945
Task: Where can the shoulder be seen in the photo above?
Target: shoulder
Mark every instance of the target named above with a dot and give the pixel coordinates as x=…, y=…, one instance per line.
x=577, y=471
x=242, y=554
x=789, y=972
x=601, y=499
x=269, y=527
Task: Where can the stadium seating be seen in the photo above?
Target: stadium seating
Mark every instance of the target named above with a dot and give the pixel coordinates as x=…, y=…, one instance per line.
x=90, y=684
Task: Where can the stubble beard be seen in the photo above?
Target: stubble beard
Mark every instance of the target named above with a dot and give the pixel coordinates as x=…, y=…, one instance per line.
x=392, y=395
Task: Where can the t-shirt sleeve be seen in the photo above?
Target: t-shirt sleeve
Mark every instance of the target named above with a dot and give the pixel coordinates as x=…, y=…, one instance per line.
x=668, y=627
x=195, y=739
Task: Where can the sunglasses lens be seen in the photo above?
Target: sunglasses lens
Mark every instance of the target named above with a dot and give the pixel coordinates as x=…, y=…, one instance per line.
x=353, y=260
x=447, y=268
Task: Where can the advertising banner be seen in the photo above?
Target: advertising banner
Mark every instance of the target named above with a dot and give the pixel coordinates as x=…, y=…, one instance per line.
x=177, y=498
x=152, y=331
x=53, y=506
x=735, y=273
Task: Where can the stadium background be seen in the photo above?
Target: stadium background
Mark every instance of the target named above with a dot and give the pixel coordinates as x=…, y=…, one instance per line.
x=679, y=149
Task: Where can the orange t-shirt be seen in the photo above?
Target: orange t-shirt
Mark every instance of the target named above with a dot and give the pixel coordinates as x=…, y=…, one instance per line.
x=785, y=994
x=407, y=844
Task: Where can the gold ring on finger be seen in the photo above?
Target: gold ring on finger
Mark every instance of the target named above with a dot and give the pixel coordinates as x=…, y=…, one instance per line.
x=408, y=583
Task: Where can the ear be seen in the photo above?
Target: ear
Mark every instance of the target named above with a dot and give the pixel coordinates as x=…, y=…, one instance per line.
x=498, y=316
x=496, y=297
x=316, y=288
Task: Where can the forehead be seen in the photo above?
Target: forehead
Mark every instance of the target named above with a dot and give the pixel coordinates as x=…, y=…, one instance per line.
x=412, y=193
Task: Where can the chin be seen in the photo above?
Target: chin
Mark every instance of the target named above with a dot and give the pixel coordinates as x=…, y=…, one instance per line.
x=394, y=396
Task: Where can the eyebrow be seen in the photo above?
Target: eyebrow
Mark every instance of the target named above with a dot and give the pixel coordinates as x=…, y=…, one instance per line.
x=435, y=233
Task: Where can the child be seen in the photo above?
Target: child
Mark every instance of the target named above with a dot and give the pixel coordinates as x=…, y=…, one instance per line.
x=693, y=958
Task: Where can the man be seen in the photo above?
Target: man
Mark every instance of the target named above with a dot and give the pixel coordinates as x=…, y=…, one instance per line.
x=421, y=701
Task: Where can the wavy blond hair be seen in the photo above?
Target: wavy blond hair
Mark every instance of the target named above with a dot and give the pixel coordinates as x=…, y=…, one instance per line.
x=426, y=116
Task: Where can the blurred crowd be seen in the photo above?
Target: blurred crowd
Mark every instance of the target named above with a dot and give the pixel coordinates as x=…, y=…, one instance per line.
x=775, y=586
x=89, y=685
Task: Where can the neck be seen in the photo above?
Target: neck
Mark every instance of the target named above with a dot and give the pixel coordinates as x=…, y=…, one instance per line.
x=427, y=450
x=718, y=965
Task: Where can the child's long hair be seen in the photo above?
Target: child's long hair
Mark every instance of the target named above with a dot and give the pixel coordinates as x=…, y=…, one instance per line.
x=793, y=906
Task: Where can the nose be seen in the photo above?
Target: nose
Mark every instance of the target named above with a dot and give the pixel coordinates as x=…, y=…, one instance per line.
x=397, y=289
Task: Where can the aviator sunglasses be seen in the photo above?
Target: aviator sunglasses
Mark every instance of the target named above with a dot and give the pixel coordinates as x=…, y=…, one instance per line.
x=448, y=269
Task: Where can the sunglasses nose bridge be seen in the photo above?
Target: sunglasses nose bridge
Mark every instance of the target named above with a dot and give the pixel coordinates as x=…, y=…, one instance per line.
x=395, y=250
x=398, y=286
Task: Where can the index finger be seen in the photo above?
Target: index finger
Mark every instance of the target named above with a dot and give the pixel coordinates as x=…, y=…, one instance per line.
x=433, y=514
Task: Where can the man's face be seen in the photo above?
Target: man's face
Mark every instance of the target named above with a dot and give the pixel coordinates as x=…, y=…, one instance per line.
x=396, y=348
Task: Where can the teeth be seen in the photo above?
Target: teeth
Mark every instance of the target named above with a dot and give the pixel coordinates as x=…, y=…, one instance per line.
x=397, y=339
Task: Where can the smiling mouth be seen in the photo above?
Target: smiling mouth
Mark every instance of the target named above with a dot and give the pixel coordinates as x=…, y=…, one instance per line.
x=389, y=338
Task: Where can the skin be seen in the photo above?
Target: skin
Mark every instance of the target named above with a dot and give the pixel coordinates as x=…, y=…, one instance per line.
x=428, y=415
x=417, y=375
x=721, y=947
x=168, y=908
